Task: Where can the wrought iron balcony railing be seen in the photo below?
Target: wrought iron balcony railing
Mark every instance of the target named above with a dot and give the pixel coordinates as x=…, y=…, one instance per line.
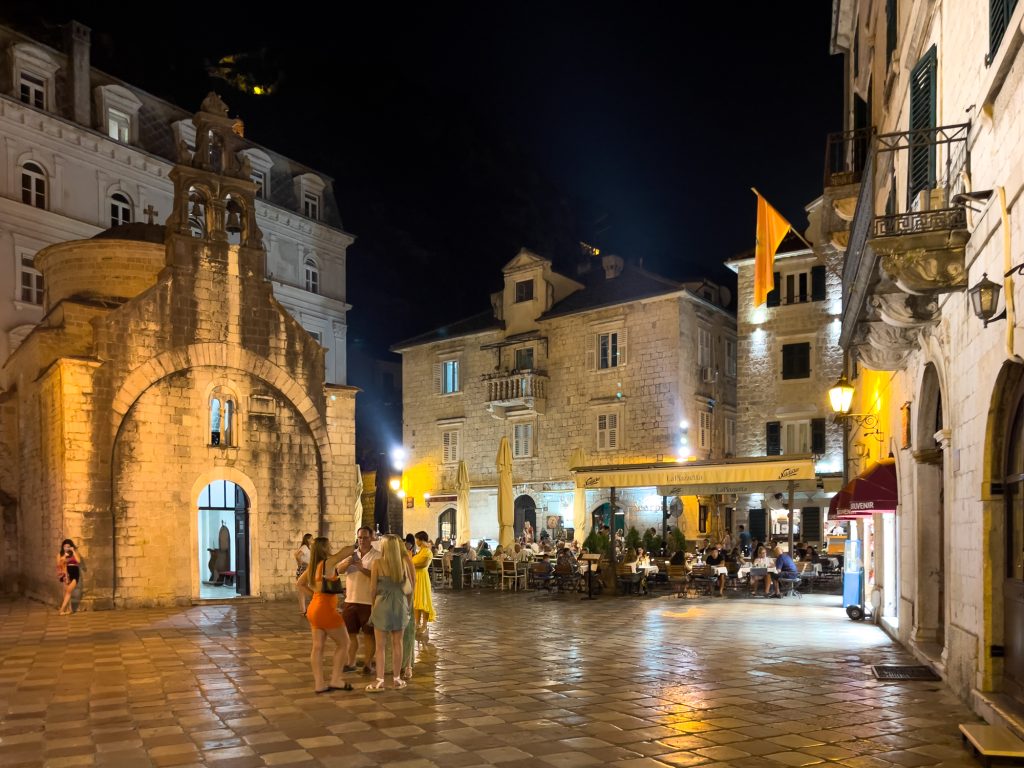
x=846, y=153
x=516, y=387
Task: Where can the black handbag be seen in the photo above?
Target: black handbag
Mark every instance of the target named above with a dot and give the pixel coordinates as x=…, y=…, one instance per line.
x=332, y=586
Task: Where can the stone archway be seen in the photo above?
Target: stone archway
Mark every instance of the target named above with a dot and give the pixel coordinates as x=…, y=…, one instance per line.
x=931, y=438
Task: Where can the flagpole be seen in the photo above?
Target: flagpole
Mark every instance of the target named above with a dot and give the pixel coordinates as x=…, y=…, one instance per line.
x=791, y=227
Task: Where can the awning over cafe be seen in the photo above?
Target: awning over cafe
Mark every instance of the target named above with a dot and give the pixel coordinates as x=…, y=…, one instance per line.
x=872, y=492
x=695, y=478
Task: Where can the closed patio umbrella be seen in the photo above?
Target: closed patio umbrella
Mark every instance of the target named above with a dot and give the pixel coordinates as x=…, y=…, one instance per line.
x=505, y=511
x=357, y=513
x=462, y=515
x=579, y=499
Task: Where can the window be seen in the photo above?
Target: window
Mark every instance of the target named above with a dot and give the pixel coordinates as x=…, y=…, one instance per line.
x=796, y=287
x=796, y=360
x=611, y=350
x=450, y=446
x=33, y=90
x=522, y=441
x=118, y=125
x=999, y=13
x=316, y=336
x=524, y=359
x=796, y=437
x=446, y=377
x=524, y=290
x=31, y=281
x=730, y=358
x=259, y=179
x=120, y=209
x=312, y=276
x=222, y=414
x=311, y=205
x=705, y=430
x=703, y=513
x=33, y=185
x=730, y=437
x=607, y=431
x=704, y=356
x=891, y=19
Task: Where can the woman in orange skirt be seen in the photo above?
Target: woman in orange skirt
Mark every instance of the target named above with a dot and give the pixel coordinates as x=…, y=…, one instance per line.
x=322, y=614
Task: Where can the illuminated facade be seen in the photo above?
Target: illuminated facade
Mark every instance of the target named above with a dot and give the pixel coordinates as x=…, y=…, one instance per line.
x=921, y=196
x=167, y=413
x=618, y=363
x=789, y=356
x=83, y=151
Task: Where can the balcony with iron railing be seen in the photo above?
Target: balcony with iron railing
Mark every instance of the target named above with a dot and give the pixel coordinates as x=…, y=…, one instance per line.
x=516, y=389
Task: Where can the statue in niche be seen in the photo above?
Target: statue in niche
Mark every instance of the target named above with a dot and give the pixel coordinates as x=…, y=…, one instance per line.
x=214, y=105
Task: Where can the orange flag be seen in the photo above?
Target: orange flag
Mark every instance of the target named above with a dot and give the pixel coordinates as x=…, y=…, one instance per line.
x=771, y=228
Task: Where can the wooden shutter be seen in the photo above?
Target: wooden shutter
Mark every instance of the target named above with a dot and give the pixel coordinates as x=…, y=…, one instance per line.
x=774, y=296
x=437, y=378
x=922, y=116
x=891, y=20
x=450, y=447
x=702, y=519
x=622, y=347
x=818, y=283
x=613, y=430
x=773, y=438
x=602, y=432
x=810, y=524
x=818, y=437
x=591, y=351
x=999, y=12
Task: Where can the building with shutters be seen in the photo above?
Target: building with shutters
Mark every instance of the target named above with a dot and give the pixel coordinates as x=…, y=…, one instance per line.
x=83, y=151
x=616, y=362
x=789, y=355
x=921, y=199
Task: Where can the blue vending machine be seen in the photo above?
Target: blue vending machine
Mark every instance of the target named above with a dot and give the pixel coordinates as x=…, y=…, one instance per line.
x=853, y=579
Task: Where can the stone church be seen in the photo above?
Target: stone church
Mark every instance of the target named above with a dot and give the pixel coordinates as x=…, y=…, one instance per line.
x=168, y=414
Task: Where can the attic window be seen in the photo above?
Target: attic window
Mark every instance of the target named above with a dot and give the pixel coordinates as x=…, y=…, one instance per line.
x=524, y=291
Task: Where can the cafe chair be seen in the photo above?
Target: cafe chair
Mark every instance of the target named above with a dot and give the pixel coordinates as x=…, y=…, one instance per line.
x=627, y=577
x=566, y=577
x=677, y=578
x=787, y=585
x=540, y=576
x=492, y=573
x=509, y=575
x=703, y=580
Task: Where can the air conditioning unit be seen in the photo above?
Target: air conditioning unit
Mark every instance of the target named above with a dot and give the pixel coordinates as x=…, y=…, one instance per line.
x=708, y=375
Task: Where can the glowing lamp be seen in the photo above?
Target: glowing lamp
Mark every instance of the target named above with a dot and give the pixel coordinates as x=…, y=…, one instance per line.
x=395, y=484
x=840, y=396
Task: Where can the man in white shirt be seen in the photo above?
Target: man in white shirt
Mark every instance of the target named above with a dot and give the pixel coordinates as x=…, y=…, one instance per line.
x=356, y=612
x=518, y=554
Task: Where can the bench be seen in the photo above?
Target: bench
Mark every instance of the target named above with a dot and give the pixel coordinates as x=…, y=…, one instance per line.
x=990, y=741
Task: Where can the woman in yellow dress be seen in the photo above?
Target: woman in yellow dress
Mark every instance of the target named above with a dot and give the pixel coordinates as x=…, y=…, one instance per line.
x=423, y=600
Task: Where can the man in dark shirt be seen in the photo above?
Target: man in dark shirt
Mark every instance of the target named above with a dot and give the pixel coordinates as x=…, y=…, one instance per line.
x=786, y=567
x=744, y=537
x=716, y=559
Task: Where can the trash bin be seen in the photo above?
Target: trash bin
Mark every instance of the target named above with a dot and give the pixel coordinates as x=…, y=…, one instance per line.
x=456, y=571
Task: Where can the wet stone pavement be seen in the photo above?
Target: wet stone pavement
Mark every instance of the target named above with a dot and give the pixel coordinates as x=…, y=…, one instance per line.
x=511, y=680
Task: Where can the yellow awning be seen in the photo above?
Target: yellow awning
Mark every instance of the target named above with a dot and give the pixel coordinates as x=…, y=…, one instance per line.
x=755, y=475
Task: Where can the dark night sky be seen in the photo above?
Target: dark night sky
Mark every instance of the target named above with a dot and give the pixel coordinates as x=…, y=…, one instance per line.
x=457, y=133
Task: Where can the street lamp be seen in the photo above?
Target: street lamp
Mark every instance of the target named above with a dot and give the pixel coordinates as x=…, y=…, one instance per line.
x=840, y=397
x=985, y=299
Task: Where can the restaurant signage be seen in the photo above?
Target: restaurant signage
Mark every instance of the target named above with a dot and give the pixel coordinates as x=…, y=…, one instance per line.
x=686, y=480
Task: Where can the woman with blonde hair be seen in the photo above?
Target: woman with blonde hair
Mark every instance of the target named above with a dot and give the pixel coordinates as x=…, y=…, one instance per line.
x=389, y=590
x=423, y=597
x=319, y=582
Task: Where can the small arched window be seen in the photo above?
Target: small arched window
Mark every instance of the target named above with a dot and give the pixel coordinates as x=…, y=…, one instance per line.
x=222, y=419
x=33, y=185
x=120, y=209
x=312, y=276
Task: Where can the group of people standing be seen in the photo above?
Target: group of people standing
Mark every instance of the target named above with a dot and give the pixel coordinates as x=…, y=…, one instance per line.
x=388, y=602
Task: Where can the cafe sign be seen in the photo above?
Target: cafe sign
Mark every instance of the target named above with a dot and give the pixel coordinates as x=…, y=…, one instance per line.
x=754, y=476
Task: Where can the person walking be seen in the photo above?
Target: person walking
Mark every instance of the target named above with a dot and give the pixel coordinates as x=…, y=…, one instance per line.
x=389, y=590
x=423, y=597
x=301, y=564
x=358, y=601
x=317, y=582
x=69, y=572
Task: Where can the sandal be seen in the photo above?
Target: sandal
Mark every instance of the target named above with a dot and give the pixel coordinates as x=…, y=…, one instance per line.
x=400, y=683
x=407, y=673
x=342, y=687
x=376, y=687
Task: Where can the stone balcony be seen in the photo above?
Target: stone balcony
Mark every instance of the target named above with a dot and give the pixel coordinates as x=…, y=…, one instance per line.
x=516, y=390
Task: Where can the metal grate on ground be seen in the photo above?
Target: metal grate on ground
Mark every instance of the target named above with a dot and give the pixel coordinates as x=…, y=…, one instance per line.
x=895, y=672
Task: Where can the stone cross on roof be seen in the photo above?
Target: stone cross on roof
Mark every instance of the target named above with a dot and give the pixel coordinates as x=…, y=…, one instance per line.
x=150, y=212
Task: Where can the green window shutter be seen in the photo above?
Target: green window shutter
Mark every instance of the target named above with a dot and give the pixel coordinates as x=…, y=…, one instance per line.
x=818, y=283
x=773, y=438
x=818, y=437
x=772, y=300
x=922, y=117
x=999, y=13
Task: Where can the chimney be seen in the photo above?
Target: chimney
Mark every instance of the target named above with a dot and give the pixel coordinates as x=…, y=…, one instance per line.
x=77, y=42
x=612, y=266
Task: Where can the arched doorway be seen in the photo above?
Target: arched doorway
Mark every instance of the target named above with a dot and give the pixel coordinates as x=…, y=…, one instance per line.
x=223, y=541
x=446, y=530
x=1013, y=500
x=929, y=456
x=525, y=511
x=603, y=516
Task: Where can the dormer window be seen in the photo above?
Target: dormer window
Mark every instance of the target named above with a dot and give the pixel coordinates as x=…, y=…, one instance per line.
x=118, y=125
x=524, y=290
x=311, y=205
x=33, y=90
x=260, y=164
x=260, y=180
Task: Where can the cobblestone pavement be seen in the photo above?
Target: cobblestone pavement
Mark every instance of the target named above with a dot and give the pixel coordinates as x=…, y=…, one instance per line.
x=505, y=679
